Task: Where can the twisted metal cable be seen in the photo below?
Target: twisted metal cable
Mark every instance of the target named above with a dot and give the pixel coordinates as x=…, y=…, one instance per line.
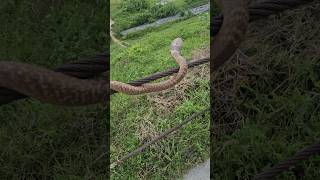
x=260, y=9
x=166, y=73
x=86, y=68
x=290, y=162
x=159, y=137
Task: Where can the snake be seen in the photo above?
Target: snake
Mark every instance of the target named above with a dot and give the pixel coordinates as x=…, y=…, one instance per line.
x=175, y=51
x=52, y=87
x=57, y=88
x=232, y=32
x=113, y=38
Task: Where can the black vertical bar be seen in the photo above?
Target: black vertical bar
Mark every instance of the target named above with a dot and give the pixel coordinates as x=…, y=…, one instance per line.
x=212, y=115
x=107, y=109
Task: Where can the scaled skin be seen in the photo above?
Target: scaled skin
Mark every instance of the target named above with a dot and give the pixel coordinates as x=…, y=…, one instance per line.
x=50, y=86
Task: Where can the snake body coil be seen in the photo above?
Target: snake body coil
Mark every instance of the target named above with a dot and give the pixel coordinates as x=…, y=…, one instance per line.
x=235, y=23
x=52, y=87
x=154, y=87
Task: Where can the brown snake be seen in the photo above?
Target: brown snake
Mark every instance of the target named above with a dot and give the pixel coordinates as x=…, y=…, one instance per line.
x=52, y=87
x=232, y=32
x=57, y=88
x=154, y=87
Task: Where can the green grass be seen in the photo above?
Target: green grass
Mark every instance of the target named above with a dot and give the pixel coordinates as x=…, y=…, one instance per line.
x=41, y=141
x=270, y=109
x=136, y=119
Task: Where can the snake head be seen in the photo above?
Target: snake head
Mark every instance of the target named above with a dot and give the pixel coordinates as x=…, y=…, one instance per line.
x=176, y=45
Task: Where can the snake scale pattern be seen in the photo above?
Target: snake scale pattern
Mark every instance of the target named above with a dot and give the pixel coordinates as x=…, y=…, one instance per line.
x=51, y=87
